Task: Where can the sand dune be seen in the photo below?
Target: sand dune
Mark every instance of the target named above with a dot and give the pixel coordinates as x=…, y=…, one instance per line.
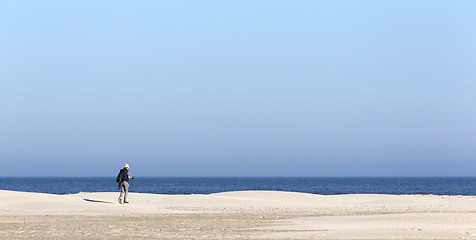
x=236, y=215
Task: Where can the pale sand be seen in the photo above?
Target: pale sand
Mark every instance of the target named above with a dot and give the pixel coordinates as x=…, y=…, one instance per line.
x=236, y=215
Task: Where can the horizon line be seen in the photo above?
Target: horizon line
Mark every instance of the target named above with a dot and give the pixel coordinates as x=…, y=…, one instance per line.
x=432, y=176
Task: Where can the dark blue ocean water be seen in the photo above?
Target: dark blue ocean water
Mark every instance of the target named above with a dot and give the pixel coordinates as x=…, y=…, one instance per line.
x=205, y=185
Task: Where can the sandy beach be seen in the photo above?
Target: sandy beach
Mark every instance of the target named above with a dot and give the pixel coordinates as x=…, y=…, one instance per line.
x=236, y=215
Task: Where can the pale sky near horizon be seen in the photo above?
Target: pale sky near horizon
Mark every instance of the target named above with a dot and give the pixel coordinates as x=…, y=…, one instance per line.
x=238, y=88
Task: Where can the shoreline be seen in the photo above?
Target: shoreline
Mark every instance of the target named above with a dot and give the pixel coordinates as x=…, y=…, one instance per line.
x=237, y=191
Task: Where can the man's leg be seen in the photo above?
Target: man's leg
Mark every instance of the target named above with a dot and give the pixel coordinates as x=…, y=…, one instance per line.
x=126, y=190
x=122, y=193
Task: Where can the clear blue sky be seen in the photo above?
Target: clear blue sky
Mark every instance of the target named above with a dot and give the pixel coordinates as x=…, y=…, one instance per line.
x=238, y=88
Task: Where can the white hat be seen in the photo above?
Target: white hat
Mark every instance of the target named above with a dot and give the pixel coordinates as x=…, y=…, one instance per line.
x=126, y=165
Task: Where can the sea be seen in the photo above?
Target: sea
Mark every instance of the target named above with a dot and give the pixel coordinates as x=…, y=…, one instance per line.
x=207, y=185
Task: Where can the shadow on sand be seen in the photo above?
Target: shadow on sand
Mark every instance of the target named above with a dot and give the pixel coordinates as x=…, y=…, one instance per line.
x=96, y=201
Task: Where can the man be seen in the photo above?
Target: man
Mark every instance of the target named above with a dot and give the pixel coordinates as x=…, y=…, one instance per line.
x=124, y=184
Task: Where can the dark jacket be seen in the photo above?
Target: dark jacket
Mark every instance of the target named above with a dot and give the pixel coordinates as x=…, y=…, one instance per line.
x=125, y=175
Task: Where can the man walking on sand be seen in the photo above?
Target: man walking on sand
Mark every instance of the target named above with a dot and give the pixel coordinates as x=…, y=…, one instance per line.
x=124, y=183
